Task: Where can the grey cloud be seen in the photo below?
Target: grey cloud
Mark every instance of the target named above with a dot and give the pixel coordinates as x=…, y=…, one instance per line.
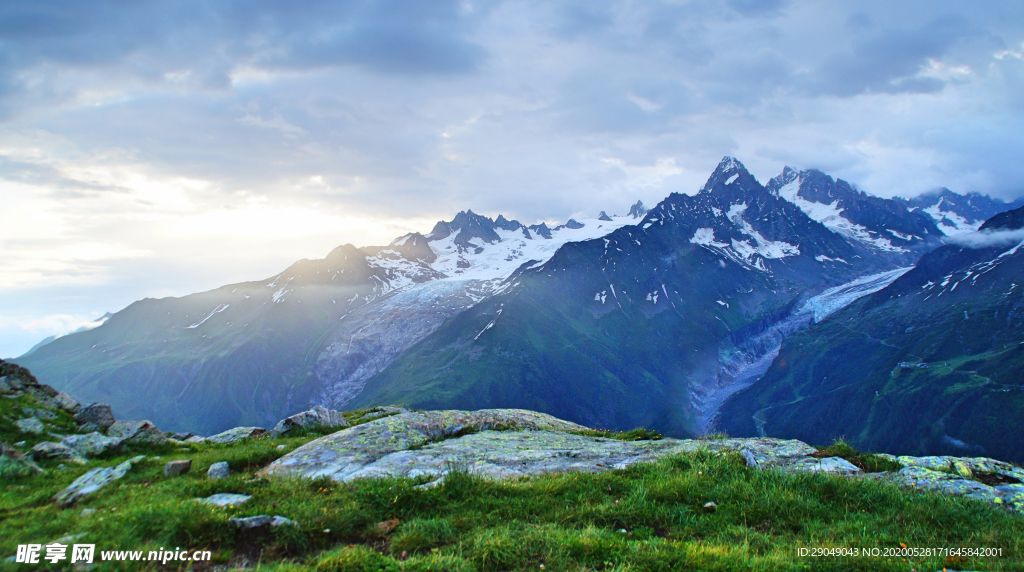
x=146, y=40
x=583, y=18
x=887, y=62
x=47, y=177
x=757, y=7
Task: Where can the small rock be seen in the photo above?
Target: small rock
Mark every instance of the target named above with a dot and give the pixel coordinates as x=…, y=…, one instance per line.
x=21, y=444
x=196, y=439
x=183, y=436
x=91, y=444
x=30, y=425
x=238, y=434
x=318, y=415
x=281, y=447
x=710, y=506
x=224, y=499
x=388, y=526
x=748, y=458
x=91, y=482
x=218, y=470
x=66, y=402
x=99, y=414
x=282, y=521
x=250, y=521
x=137, y=432
x=87, y=512
x=175, y=468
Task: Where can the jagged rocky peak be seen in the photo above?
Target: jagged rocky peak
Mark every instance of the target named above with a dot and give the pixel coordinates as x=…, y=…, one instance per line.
x=603, y=216
x=573, y=224
x=541, y=230
x=957, y=214
x=505, y=224
x=729, y=172
x=466, y=226
x=637, y=211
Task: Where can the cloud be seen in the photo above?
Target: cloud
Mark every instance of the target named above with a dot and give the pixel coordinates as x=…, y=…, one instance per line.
x=60, y=324
x=989, y=238
x=225, y=140
x=889, y=61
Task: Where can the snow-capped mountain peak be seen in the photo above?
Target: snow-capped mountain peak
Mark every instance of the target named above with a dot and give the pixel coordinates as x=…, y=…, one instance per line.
x=729, y=172
x=878, y=224
x=957, y=214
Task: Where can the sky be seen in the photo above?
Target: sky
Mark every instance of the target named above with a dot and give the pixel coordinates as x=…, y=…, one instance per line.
x=152, y=149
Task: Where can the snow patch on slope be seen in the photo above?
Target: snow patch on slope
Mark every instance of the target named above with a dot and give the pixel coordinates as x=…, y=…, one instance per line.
x=832, y=217
x=500, y=259
x=943, y=220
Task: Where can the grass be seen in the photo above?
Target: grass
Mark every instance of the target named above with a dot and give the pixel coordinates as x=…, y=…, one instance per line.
x=639, y=434
x=866, y=461
x=646, y=517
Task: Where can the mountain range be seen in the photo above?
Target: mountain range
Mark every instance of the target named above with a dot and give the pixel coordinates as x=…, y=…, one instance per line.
x=656, y=318
x=932, y=363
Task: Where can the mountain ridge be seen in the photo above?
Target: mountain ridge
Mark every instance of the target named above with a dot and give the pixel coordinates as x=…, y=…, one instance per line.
x=325, y=331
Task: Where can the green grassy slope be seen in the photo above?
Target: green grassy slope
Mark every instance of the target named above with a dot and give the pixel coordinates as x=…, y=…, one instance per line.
x=647, y=517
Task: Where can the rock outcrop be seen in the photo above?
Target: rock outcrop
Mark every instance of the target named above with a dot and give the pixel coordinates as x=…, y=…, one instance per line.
x=510, y=443
x=95, y=417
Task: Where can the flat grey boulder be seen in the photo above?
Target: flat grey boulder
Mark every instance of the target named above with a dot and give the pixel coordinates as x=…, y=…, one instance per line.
x=317, y=416
x=137, y=432
x=92, y=481
x=30, y=425
x=49, y=450
x=260, y=521
x=224, y=499
x=237, y=434
x=833, y=465
x=97, y=414
x=91, y=444
x=250, y=521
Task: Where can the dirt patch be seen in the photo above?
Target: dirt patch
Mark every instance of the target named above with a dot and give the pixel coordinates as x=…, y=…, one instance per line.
x=995, y=479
